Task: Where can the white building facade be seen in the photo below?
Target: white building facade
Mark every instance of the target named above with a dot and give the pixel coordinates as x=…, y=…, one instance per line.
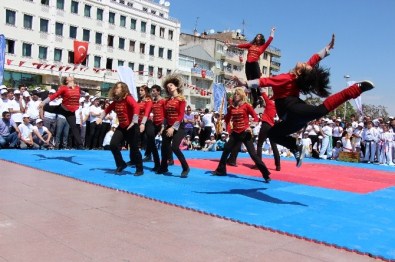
x=40, y=35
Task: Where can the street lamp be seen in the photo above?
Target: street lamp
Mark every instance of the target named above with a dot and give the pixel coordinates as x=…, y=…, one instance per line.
x=346, y=77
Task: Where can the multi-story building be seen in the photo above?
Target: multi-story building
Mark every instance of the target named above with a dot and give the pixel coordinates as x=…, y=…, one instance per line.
x=40, y=35
x=222, y=61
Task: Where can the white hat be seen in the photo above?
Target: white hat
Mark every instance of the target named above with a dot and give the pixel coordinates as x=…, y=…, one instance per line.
x=25, y=115
x=16, y=92
x=338, y=141
x=320, y=137
x=329, y=122
x=339, y=119
x=26, y=94
x=52, y=91
x=361, y=124
x=82, y=99
x=196, y=137
x=223, y=135
x=391, y=117
x=39, y=120
x=114, y=125
x=3, y=87
x=3, y=91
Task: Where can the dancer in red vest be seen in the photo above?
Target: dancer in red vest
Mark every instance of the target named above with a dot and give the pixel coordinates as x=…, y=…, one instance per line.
x=239, y=113
x=173, y=131
x=255, y=49
x=128, y=129
x=70, y=94
x=305, y=78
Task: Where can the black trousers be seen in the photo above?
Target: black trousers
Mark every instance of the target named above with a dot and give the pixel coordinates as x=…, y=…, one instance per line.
x=150, y=133
x=263, y=132
x=150, y=150
x=71, y=120
x=253, y=71
x=172, y=145
x=132, y=136
x=295, y=114
x=234, y=140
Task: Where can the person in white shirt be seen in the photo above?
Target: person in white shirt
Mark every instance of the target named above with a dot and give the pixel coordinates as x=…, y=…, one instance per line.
x=95, y=111
x=307, y=144
x=108, y=136
x=81, y=117
x=387, y=138
x=26, y=130
x=4, y=102
x=41, y=135
x=337, y=132
x=17, y=107
x=49, y=119
x=369, y=138
x=32, y=107
x=207, y=127
x=326, y=146
x=336, y=150
x=357, y=138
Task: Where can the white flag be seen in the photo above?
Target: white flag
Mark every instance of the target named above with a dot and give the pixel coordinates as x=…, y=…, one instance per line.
x=126, y=75
x=358, y=100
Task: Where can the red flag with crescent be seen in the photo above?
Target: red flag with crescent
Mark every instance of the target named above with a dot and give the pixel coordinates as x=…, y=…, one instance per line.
x=80, y=51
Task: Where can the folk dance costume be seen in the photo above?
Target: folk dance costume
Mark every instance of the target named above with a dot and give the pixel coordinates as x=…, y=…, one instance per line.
x=174, y=114
x=70, y=103
x=255, y=49
x=145, y=107
x=267, y=120
x=241, y=132
x=127, y=113
x=293, y=111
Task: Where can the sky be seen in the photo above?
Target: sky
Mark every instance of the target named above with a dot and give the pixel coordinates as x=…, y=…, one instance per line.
x=364, y=30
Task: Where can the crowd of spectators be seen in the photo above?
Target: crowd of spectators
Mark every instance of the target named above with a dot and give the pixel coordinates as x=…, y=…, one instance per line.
x=24, y=126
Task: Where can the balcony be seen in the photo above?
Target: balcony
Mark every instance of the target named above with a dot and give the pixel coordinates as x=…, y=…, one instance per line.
x=202, y=73
x=275, y=65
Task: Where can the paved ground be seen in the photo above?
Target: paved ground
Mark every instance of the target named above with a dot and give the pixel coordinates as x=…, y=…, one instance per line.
x=47, y=217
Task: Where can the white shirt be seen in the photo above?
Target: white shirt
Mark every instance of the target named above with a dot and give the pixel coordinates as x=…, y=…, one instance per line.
x=94, y=110
x=207, y=120
x=25, y=130
x=49, y=115
x=43, y=130
x=107, y=138
x=17, y=117
x=337, y=131
x=32, y=109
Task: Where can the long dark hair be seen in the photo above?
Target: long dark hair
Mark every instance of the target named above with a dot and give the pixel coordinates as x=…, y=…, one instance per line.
x=315, y=81
x=255, y=41
x=147, y=93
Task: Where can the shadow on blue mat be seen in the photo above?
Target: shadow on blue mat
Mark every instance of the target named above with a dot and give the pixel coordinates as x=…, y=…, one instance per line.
x=363, y=222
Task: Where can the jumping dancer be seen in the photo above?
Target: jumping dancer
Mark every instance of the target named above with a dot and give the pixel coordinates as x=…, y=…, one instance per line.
x=173, y=125
x=305, y=78
x=239, y=113
x=70, y=103
x=146, y=125
x=127, y=110
x=255, y=49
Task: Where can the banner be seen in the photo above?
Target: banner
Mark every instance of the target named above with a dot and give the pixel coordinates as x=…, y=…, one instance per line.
x=80, y=51
x=126, y=75
x=358, y=100
x=2, y=57
x=220, y=99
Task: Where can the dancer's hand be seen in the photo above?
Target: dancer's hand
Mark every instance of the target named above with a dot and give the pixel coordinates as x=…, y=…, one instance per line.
x=98, y=121
x=142, y=128
x=332, y=42
x=170, y=132
x=272, y=31
x=239, y=81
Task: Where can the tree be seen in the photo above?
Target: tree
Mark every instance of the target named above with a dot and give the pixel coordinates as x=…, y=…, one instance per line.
x=374, y=111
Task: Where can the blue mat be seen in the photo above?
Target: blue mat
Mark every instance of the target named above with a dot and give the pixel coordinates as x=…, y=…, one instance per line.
x=364, y=223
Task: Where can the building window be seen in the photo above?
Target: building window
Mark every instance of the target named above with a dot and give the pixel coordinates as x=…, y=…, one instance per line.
x=162, y=32
x=10, y=46
x=161, y=14
x=42, y=52
x=121, y=44
x=142, y=48
x=160, y=72
x=86, y=35
x=264, y=70
x=132, y=46
x=109, y=63
x=141, y=69
x=133, y=23
x=87, y=11
x=59, y=29
x=98, y=38
x=131, y=65
x=85, y=62
x=121, y=62
x=57, y=55
x=265, y=56
x=10, y=17
x=151, y=70
x=28, y=21
x=168, y=71
x=45, y=2
x=122, y=21
x=73, y=32
x=60, y=4
x=44, y=25
x=110, y=41
x=161, y=51
x=153, y=29
x=170, y=34
x=145, y=9
x=169, y=54
x=151, y=50
x=143, y=26
x=74, y=7
x=70, y=57
x=26, y=50
x=99, y=14
x=97, y=62
x=111, y=18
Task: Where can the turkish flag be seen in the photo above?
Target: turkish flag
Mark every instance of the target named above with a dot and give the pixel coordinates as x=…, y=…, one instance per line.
x=80, y=51
x=203, y=72
x=9, y=61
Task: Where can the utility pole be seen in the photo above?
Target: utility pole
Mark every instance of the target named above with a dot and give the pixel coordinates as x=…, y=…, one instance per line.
x=346, y=77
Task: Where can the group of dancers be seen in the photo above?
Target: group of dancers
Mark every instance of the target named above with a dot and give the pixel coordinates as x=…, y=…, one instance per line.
x=168, y=113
